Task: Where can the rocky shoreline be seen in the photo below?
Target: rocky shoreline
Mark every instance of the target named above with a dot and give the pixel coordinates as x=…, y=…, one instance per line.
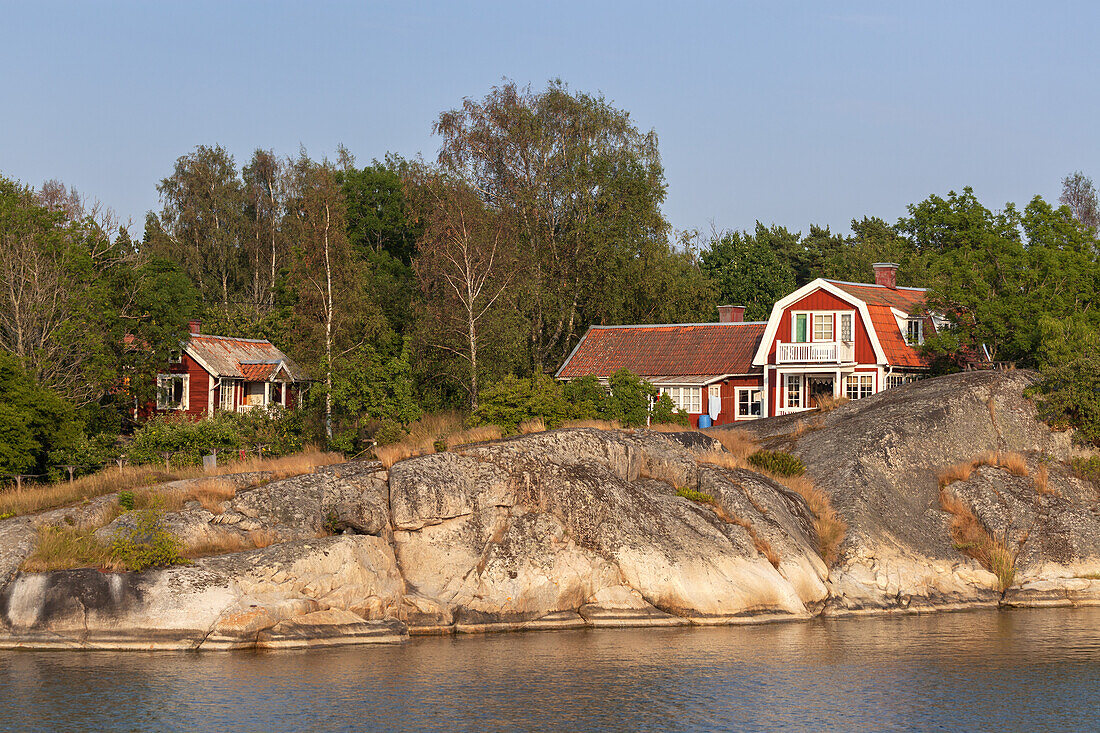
x=584, y=528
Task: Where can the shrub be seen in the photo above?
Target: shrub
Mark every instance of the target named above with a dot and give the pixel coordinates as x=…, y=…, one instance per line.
x=389, y=432
x=628, y=399
x=778, y=462
x=513, y=400
x=126, y=500
x=664, y=411
x=143, y=541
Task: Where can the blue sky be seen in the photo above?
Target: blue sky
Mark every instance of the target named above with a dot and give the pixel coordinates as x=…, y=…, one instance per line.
x=789, y=113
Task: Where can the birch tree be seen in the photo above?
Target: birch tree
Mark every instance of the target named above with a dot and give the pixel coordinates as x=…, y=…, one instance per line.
x=465, y=263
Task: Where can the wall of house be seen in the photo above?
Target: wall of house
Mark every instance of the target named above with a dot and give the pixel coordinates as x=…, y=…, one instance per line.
x=820, y=300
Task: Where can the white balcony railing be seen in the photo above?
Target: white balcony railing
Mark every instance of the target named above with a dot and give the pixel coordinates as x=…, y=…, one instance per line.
x=821, y=352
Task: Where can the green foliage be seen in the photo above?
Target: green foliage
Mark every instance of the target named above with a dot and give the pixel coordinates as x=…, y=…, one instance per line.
x=698, y=496
x=512, y=400
x=280, y=432
x=749, y=269
x=1068, y=393
x=87, y=454
x=126, y=500
x=664, y=411
x=628, y=399
x=389, y=432
x=778, y=462
x=34, y=422
x=143, y=541
x=586, y=396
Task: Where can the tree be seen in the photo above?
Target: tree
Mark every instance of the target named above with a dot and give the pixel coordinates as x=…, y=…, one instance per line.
x=873, y=240
x=203, y=219
x=464, y=264
x=1079, y=195
x=747, y=270
x=264, y=206
x=580, y=187
x=33, y=421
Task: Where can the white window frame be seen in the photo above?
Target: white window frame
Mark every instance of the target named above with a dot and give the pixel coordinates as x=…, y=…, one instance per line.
x=787, y=390
x=164, y=386
x=829, y=332
x=175, y=357
x=759, y=402
x=919, y=323
x=688, y=399
x=850, y=318
x=809, y=326
x=226, y=394
x=859, y=385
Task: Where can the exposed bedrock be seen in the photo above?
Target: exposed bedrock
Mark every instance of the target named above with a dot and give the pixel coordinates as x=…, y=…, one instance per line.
x=583, y=527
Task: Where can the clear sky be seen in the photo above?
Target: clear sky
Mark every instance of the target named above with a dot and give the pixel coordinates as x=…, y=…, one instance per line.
x=789, y=113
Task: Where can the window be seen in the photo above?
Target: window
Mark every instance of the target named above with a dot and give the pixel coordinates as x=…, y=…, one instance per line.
x=858, y=386
x=750, y=402
x=172, y=391
x=254, y=394
x=794, y=390
x=175, y=357
x=823, y=327
x=688, y=399
x=801, y=332
x=914, y=333
x=896, y=380
x=225, y=398
x=714, y=396
x=846, y=327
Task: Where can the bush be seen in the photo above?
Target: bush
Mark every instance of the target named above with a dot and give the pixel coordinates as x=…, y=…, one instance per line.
x=778, y=462
x=629, y=399
x=143, y=541
x=280, y=431
x=665, y=412
x=513, y=400
x=126, y=500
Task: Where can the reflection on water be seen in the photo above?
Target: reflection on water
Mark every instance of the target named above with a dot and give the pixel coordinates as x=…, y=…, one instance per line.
x=969, y=671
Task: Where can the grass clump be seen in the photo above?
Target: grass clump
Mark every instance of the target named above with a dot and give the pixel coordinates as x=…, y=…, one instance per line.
x=826, y=403
x=777, y=462
x=968, y=534
x=534, y=425
x=225, y=543
x=65, y=548
x=738, y=442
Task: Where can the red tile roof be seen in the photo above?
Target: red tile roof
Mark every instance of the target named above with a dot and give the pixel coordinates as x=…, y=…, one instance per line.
x=669, y=350
x=257, y=372
x=909, y=300
x=898, y=352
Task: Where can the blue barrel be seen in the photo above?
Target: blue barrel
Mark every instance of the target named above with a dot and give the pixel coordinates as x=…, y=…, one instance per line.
x=705, y=421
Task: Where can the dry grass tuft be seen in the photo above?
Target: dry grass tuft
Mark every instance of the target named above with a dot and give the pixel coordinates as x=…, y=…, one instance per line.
x=435, y=425
x=828, y=524
x=1014, y=463
x=721, y=458
x=36, y=498
x=64, y=548
x=391, y=454
x=1042, y=481
x=973, y=540
x=597, y=424
x=760, y=543
x=481, y=434
x=227, y=542
x=957, y=472
x=738, y=442
x=669, y=427
x=827, y=403
x=800, y=429
x=534, y=425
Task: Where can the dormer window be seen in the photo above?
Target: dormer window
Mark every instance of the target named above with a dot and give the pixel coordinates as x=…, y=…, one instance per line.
x=914, y=332
x=175, y=357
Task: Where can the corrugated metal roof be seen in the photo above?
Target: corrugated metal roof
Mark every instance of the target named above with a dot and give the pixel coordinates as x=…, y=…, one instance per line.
x=233, y=357
x=666, y=350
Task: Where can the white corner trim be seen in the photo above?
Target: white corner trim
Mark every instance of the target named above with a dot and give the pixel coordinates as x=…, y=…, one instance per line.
x=190, y=352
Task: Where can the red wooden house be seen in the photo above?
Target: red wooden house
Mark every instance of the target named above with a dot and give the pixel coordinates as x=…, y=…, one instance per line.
x=828, y=337
x=209, y=374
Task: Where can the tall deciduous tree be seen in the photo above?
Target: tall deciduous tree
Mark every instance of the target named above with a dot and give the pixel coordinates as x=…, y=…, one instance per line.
x=580, y=185
x=466, y=260
x=748, y=269
x=265, y=203
x=1079, y=195
x=204, y=222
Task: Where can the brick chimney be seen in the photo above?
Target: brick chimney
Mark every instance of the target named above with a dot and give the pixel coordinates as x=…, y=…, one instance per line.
x=731, y=313
x=195, y=325
x=886, y=273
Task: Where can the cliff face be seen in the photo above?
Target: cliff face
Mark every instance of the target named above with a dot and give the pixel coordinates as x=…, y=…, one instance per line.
x=583, y=527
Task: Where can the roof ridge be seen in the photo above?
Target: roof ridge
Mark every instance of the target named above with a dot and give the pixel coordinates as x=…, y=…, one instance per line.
x=682, y=325
x=872, y=285
x=230, y=338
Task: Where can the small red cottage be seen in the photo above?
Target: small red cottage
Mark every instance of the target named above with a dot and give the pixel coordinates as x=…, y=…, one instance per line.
x=214, y=373
x=828, y=338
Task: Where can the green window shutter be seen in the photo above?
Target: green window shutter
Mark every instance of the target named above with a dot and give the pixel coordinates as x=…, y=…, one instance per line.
x=800, y=328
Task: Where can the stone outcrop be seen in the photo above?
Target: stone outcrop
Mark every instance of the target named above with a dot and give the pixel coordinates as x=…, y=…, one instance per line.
x=588, y=528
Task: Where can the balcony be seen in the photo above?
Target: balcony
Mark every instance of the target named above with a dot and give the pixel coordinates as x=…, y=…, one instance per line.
x=820, y=352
